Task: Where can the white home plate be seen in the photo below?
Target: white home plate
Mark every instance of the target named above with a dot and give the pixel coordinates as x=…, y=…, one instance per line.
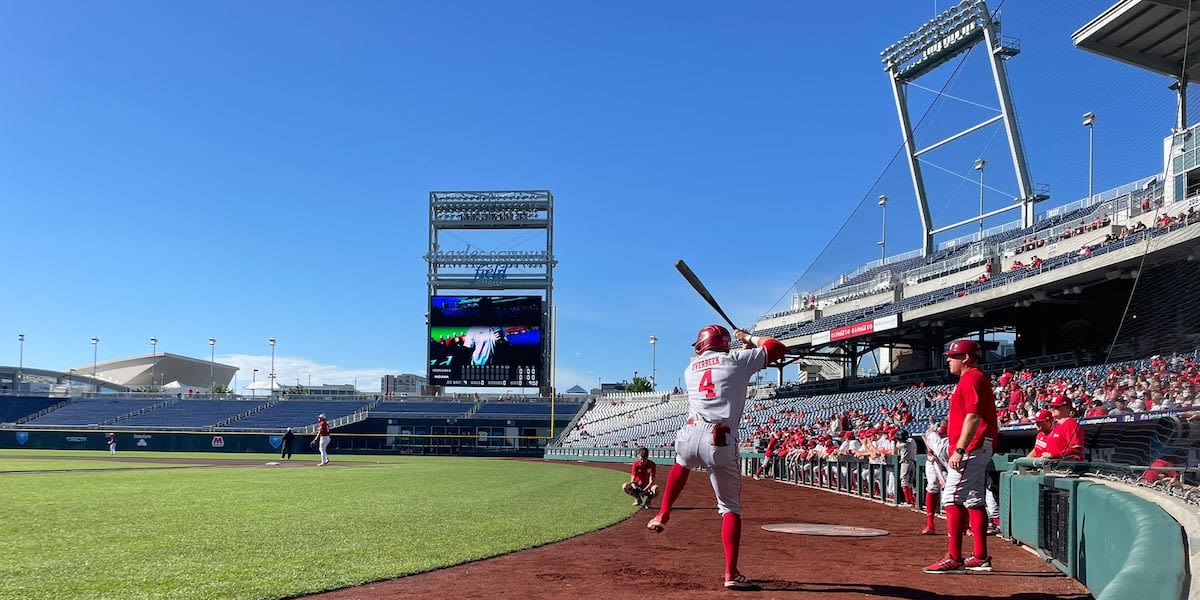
x=824, y=529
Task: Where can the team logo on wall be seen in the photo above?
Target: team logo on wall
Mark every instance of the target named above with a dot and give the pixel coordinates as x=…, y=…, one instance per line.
x=22, y=437
x=275, y=441
x=218, y=442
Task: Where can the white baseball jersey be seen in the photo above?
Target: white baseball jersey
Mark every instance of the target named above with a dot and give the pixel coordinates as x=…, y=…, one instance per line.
x=716, y=384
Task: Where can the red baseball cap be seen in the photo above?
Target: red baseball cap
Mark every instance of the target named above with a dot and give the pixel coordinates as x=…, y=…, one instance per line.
x=1059, y=400
x=1043, y=415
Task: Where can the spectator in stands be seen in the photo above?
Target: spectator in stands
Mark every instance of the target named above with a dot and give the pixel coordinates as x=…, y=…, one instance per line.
x=1121, y=408
x=1066, y=439
x=641, y=479
x=286, y=452
x=1045, y=423
x=322, y=439
x=1097, y=409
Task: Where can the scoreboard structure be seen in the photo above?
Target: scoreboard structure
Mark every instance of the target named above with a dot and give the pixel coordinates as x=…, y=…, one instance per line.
x=491, y=289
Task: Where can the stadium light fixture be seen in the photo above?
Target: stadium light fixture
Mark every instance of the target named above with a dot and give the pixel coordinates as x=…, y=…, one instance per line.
x=253, y=380
x=1089, y=119
x=212, y=358
x=272, y=343
x=653, y=362
x=153, y=359
x=883, y=200
x=21, y=360
x=979, y=166
x=95, y=345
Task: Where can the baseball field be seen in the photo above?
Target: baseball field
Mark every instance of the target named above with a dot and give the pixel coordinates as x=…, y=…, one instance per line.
x=145, y=525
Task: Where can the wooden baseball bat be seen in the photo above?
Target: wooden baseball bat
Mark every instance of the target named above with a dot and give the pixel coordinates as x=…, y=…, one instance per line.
x=691, y=278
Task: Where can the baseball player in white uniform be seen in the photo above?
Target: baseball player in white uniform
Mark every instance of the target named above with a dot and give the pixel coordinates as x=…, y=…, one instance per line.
x=716, y=387
x=937, y=451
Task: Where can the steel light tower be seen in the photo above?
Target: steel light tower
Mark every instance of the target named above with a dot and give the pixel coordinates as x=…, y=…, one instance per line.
x=653, y=363
x=883, y=200
x=212, y=358
x=95, y=345
x=272, y=343
x=21, y=360
x=253, y=379
x=153, y=360
x=979, y=166
x=1089, y=119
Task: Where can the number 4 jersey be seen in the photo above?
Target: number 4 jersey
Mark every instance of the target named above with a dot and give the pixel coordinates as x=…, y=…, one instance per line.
x=716, y=383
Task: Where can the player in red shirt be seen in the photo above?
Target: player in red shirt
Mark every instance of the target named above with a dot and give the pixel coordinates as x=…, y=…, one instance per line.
x=641, y=479
x=322, y=439
x=1066, y=440
x=716, y=379
x=768, y=463
x=972, y=430
x=1041, y=446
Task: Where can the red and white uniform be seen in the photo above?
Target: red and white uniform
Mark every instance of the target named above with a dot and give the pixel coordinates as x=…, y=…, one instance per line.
x=1041, y=444
x=716, y=388
x=323, y=434
x=1066, y=440
x=973, y=394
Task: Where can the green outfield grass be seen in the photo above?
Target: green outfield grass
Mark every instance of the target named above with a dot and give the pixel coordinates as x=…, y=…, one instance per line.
x=109, y=531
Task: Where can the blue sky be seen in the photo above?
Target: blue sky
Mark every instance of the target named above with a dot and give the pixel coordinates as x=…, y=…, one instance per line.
x=242, y=171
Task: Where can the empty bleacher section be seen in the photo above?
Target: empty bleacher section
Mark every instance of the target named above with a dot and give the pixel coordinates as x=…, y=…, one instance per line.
x=14, y=409
x=85, y=412
x=189, y=413
x=297, y=413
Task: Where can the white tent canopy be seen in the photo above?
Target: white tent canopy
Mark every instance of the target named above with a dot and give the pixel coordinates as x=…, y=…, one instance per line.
x=265, y=385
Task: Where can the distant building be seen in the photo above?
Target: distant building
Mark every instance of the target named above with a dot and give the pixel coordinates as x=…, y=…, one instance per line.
x=395, y=385
x=344, y=389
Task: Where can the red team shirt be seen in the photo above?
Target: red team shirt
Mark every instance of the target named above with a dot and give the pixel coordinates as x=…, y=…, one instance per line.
x=973, y=394
x=1042, y=444
x=1066, y=440
x=643, y=471
x=322, y=428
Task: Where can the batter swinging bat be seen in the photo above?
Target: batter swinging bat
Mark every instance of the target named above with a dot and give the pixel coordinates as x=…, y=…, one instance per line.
x=691, y=278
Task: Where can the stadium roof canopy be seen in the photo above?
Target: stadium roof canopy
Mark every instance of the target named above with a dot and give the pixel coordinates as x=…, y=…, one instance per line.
x=137, y=371
x=1150, y=34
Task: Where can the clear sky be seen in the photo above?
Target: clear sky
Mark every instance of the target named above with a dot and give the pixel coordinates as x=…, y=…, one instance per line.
x=188, y=170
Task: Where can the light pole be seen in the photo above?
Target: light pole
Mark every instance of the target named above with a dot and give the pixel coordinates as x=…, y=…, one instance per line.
x=883, y=233
x=979, y=165
x=95, y=345
x=653, y=363
x=153, y=360
x=21, y=360
x=253, y=379
x=1089, y=118
x=212, y=358
x=272, y=342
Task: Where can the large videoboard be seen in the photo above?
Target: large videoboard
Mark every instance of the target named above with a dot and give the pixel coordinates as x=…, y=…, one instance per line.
x=485, y=341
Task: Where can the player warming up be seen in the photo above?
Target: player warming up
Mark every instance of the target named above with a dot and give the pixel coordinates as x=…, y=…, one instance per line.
x=971, y=431
x=641, y=479
x=716, y=387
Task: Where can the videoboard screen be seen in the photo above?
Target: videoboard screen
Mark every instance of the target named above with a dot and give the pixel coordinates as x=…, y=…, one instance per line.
x=485, y=341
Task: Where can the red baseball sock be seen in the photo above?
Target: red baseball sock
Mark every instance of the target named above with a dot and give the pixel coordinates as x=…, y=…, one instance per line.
x=676, y=479
x=955, y=522
x=979, y=520
x=931, y=501
x=909, y=495
x=731, y=539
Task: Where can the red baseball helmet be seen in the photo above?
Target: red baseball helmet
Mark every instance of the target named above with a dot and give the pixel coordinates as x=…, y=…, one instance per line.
x=964, y=347
x=712, y=337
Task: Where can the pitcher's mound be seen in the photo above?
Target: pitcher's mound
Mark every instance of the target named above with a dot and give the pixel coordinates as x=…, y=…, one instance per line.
x=824, y=529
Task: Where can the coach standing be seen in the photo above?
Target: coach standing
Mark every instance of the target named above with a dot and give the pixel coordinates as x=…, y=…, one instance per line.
x=973, y=429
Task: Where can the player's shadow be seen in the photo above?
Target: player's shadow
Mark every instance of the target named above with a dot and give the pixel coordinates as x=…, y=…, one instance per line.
x=897, y=591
